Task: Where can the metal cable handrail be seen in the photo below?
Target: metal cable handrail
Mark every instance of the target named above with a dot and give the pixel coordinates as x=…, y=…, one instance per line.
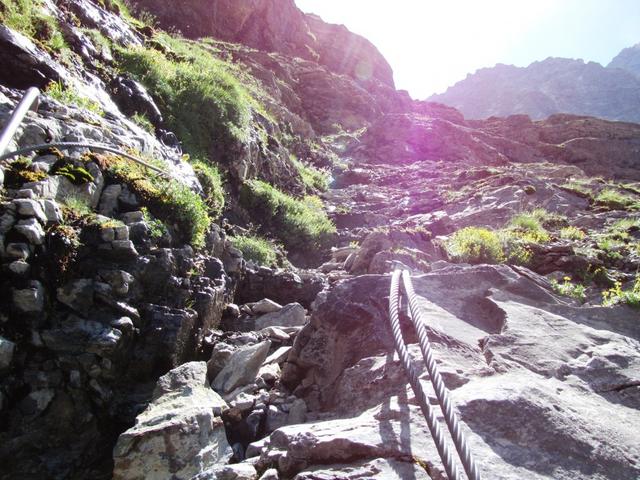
x=29, y=100
x=441, y=391
x=432, y=422
x=92, y=146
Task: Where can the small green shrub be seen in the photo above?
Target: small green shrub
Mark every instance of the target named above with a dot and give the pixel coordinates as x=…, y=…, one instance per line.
x=142, y=120
x=28, y=18
x=313, y=178
x=572, y=233
x=20, y=172
x=76, y=174
x=528, y=227
x=157, y=229
x=569, y=289
x=168, y=200
x=476, y=245
x=211, y=181
x=69, y=96
x=299, y=223
x=205, y=105
x=615, y=200
x=76, y=207
x=257, y=249
x=580, y=188
x=615, y=295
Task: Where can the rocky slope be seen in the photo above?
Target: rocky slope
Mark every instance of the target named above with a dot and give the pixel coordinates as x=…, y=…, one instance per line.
x=146, y=331
x=554, y=85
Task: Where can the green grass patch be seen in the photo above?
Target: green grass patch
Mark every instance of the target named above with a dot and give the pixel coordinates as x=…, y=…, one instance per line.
x=142, y=120
x=572, y=233
x=69, y=96
x=172, y=202
x=28, y=18
x=76, y=208
x=569, y=289
x=529, y=226
x=204, y=104
x=257, y=249
x=20, y=172
x=211, y=181
x=298, y=223
x=476, y=245
x=615, y=200
x=314, y=179
x=616, y=295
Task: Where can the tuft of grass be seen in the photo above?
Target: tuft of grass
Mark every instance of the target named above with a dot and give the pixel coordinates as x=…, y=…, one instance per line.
x=28, y=18
x=580, y=188
x=615, y=200
x=205, y=105
x=572, y=233
x=211, y=181
x=257, y=249
x=569, y=289
x=298, y=223
x=69, y=96
x=529, y=227
x=314, y=179
x=142, y=120
x=616, y=295
x=476, y=245
x=76, y=207
x=157, y=229
x=20, y=172
x=168, y=200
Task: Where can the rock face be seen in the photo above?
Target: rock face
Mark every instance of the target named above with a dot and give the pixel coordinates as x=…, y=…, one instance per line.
x=275, y=26
x=99, y=301
x=488, y=338
x=180, y=434
x=555, y=85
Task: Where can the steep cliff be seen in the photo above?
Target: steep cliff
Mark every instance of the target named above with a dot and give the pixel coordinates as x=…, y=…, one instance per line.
x=157, y=321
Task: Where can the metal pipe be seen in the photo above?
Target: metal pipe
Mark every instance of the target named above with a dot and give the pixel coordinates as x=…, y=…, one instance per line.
x=88, y=145
x=29, y=100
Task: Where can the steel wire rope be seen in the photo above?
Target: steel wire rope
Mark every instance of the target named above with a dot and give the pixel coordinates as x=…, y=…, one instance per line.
x=91, y=146
x=432, y=422
x=441, y=391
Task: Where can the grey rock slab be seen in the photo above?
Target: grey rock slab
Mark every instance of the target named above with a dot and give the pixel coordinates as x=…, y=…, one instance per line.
x=30, y=208
x=393, y=430
x=547, y=429
x=379, y=468
x=52, y=211
x=270, y=474
x=242, y=367
x=18, y=251
x=291, y=315
x=109, y=200
x=265, y=306
x=7, y=347
x=32, y=231
x=238, y=471
x=29, y=300
x=184, y=414
x=279, y=356
x=77, y=295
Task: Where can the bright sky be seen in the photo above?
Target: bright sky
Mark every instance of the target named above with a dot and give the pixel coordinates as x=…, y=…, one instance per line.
x=432, y=44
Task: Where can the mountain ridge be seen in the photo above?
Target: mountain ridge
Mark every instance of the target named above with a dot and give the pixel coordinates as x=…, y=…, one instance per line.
x=546, y=87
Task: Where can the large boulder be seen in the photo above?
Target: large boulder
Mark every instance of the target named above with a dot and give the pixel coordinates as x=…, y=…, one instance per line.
x=179, y=435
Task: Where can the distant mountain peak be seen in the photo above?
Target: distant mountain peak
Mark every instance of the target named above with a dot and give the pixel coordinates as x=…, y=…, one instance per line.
x=553, y=85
